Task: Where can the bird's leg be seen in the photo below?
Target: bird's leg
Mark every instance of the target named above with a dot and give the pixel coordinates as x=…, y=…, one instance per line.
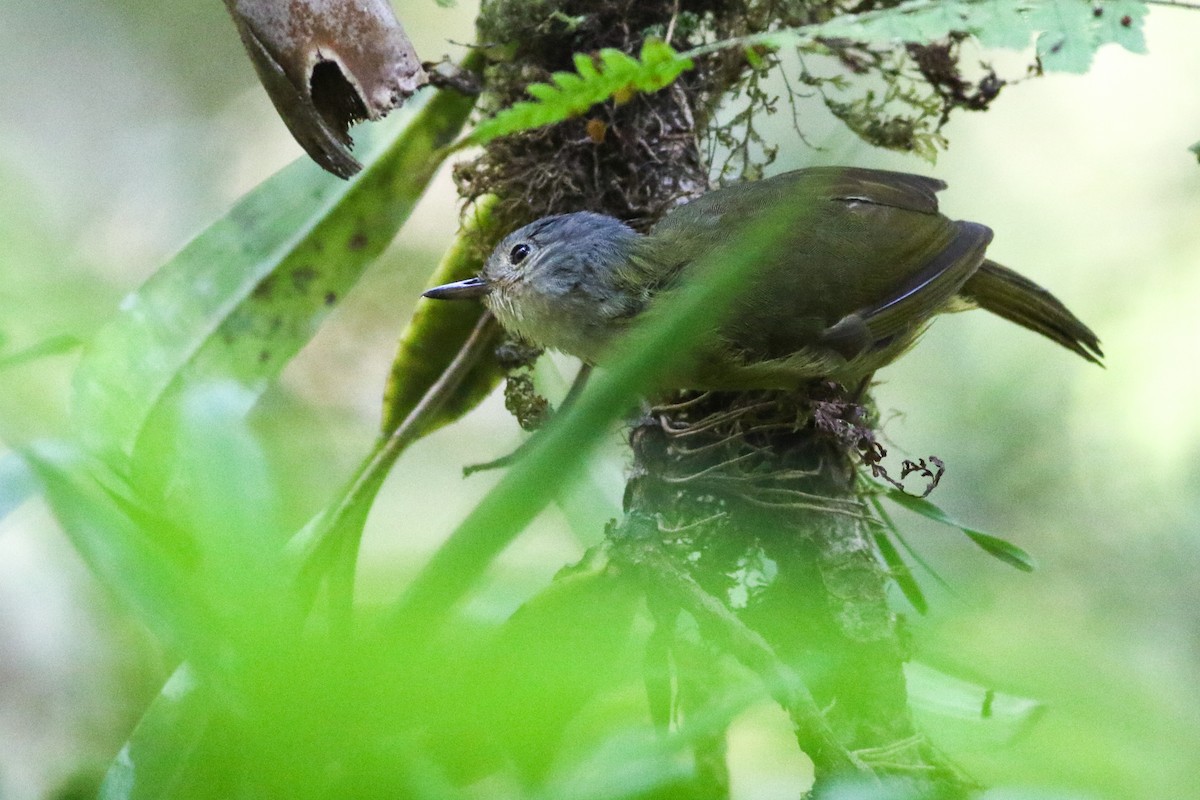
x=581, y=379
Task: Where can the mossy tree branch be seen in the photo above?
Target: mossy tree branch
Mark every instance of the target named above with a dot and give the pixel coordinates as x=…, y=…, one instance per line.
x=821, y=634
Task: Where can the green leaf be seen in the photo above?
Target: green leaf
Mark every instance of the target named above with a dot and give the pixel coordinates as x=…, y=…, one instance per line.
x=53, y=346
x=1067, y=32
x=1195, y=150
x=638, y=761
x=434, y=336
x=1071, y=32
x=230, y=612
x=632, y=763
x=897, y=568
x=137, y=554
x=160, y=759
x=967, y=713
x=533, y=661
x=244, y=296
x=1006, y=551
x=650, y=351
x=573, y=93
x=192, y=563
x=226, y=497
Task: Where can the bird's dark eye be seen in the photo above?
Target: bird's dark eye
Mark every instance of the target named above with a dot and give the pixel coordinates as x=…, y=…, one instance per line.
x=519, y=253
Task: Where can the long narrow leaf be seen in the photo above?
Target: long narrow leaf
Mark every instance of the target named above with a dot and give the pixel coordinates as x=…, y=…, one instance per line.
x=897, y=568
x=244, y=296
x=159, y=758
x=964, y=711
x=556, y=456
x=234, y=604
x=53, y=346
x=142, y=558
x=1006, y=551
x=908, y=548
x=435, y=334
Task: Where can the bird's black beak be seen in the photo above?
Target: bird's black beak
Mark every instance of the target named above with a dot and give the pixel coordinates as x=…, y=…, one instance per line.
x=459, y=290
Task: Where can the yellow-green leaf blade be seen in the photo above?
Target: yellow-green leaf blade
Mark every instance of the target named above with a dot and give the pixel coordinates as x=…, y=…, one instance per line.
x=244, y=296
x=434, y=336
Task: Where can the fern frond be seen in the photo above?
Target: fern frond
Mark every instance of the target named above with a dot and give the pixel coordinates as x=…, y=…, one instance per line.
x=611, y=74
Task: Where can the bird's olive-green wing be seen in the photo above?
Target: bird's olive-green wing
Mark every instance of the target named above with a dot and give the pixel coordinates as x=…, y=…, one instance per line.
x=926, y=291
x=711, y=218
x=870, y=257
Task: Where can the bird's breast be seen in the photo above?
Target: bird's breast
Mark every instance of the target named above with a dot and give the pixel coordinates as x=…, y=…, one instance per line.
x=573, y=323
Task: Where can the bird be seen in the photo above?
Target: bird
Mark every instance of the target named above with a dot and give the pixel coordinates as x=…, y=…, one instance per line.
x=844, y=291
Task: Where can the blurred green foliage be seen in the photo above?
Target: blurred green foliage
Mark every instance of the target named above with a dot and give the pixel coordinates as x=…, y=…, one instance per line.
x=1093, y=657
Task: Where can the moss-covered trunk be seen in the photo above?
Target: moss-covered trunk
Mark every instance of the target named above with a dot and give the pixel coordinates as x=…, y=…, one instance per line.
x=742, y=510
x=754, y=498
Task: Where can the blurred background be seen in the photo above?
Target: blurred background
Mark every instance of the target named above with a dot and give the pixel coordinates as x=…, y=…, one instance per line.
x=124, y=133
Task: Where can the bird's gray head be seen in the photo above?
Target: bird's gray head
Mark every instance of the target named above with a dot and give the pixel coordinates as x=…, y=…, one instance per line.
x=553, y=254
x=552, y=280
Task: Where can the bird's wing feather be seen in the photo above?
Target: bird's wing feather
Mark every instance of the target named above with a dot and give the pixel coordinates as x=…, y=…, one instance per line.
x=928, y=290
x=881, y=187
x=871, y=254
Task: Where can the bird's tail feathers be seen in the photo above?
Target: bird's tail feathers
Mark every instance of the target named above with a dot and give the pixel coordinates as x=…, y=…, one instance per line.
x=1018, y=299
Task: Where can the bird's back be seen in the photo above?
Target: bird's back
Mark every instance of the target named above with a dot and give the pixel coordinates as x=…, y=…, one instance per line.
x=863, y=239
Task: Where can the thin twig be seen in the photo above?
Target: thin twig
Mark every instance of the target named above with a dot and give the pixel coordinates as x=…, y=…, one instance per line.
x=681, y=405
x=671, y=25
x=709, y=422
x=691, y=525
x=340, y=528
x=707, y=470
x=804, y=507
x=779, y=491
x=678, y=449
x=792, y=474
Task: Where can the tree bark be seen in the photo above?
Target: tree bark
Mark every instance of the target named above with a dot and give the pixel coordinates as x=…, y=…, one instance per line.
x=754, y=498
x=743, y=510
